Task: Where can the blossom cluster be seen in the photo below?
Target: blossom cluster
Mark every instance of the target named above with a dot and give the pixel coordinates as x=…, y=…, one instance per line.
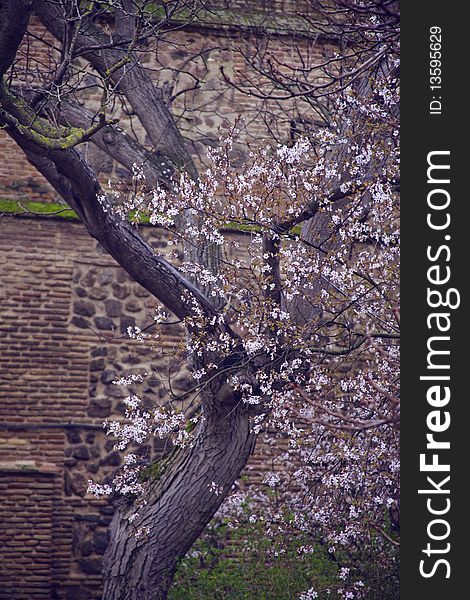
x=309, y=301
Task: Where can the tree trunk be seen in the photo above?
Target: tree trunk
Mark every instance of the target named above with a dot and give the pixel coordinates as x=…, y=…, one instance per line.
x=179, y=507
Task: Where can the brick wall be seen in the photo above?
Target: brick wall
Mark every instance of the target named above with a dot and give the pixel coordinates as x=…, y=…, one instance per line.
x=64, y=309
x=29, y=554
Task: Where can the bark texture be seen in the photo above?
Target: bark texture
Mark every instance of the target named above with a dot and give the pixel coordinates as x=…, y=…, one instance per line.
x=178, y=509
x=14, y=18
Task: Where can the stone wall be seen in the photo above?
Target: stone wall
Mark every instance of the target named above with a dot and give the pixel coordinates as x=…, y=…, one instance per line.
x=64, y=311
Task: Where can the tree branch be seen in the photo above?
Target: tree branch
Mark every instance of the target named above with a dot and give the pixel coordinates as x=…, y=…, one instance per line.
x=73, y=179
x=122, y=68
x=115, y=142
x=338, y=193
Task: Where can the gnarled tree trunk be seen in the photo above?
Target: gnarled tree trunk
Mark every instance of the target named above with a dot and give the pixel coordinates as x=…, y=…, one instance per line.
x=182, y=502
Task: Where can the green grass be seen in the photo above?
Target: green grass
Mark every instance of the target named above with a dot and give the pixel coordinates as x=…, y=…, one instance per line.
x=244, y=564
x=240, y=565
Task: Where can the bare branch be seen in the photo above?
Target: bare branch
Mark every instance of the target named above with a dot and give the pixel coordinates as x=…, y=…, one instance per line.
x=122, y=68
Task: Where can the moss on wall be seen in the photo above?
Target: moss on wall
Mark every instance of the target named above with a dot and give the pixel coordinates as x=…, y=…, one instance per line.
x=18, y=208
